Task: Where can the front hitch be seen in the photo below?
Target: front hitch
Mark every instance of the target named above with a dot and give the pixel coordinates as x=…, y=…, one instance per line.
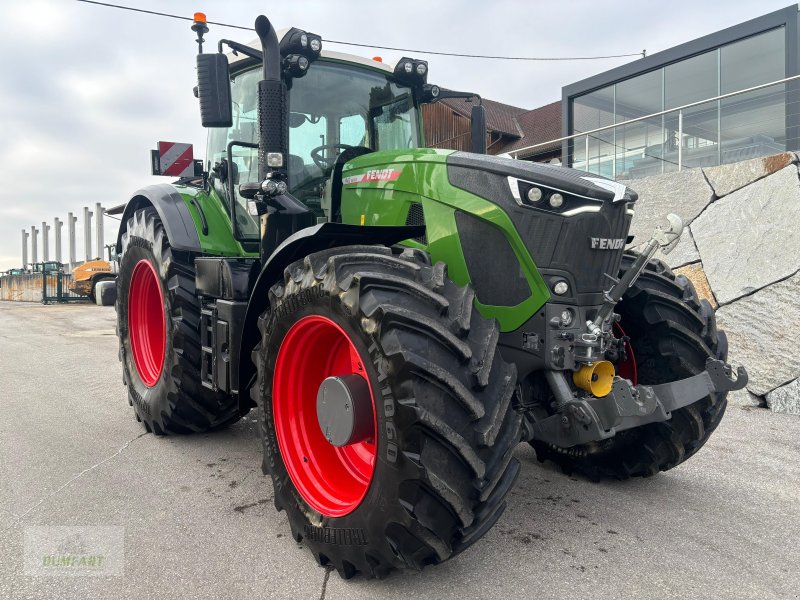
x=584, y=420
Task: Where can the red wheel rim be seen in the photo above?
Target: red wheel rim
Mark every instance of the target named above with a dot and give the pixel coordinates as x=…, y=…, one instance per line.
x=332, y=480
x=146, y=322
x=626, y=368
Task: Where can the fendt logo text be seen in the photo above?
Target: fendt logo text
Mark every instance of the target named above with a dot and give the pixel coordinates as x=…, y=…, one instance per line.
x=607, y=243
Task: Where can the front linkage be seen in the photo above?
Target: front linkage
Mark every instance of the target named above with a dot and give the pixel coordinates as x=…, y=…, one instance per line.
x=613, y=404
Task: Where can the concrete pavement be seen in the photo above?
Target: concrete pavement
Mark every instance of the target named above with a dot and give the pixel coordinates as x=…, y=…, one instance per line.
x=199, y=521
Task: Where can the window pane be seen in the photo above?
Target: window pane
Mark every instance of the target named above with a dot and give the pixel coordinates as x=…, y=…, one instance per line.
x=753, y=61
x=639, y=145
x=688, y=81
x=753, y=124
x=592, y=111
x=691, y=80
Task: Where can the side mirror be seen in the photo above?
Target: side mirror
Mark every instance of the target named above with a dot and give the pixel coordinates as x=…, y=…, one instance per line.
x=477, y=128
x=214, y=90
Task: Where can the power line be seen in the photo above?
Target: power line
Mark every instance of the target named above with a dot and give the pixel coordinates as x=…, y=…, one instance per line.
x=416, y=51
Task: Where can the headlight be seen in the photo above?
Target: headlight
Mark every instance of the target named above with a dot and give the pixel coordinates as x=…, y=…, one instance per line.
x=534, y=194
x=561, y=288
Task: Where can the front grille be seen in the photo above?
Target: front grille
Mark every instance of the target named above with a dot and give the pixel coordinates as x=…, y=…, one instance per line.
x=493, y=267
x=573, y=251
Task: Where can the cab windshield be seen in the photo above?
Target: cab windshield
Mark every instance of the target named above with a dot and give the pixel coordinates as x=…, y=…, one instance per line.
x=333, y=107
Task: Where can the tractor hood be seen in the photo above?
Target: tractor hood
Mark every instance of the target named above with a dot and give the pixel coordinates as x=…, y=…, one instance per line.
x=388, y=164
x=570, y=181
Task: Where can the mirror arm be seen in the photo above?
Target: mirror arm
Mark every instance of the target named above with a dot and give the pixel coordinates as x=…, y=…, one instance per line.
x=236, y=47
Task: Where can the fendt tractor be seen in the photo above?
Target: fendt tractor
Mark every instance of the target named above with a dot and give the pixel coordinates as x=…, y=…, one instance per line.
x=399, y=317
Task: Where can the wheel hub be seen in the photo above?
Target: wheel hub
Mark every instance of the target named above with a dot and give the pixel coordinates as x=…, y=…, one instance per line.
x=344, y=409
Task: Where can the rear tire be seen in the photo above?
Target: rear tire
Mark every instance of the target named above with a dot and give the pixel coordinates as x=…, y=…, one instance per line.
x=446, y=430
x=672, y=333
x=169, y=399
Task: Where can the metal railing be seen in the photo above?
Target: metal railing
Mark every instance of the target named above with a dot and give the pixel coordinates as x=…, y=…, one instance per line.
x=680, y=111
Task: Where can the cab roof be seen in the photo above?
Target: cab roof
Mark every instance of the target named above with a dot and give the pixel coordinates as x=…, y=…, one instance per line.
x=330, y=54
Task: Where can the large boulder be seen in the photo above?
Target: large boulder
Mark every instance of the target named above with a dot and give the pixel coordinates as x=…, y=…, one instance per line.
x=761, y=334
x=785, y=399
x=750, y=239
x=725, y=179
x=685, y=193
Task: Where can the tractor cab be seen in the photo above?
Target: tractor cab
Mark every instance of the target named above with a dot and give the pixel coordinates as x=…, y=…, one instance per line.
x=341, y=103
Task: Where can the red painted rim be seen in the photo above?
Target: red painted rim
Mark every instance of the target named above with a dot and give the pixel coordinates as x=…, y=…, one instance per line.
x=332, y=480
x=626, y=368
x=146, y=322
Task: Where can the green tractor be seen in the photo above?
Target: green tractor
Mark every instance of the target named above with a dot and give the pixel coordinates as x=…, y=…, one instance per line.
x=400, y=318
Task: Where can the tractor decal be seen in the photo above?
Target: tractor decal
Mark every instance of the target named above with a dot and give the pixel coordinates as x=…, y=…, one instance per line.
x=372, y=175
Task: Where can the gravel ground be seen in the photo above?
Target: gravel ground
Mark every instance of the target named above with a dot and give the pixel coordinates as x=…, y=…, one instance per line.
x=198, y=518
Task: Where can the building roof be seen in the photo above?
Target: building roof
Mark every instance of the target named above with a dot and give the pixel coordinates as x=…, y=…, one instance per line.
x=538, y=125
x=519, y=127
x=499, y=117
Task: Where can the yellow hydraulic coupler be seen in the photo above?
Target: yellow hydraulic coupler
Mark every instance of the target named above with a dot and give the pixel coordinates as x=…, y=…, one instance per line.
x=596, y=378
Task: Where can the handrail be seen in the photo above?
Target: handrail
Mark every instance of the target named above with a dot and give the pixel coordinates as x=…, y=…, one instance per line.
x=515, y=153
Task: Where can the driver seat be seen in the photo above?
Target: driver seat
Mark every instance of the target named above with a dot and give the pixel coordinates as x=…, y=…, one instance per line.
x=297, y=171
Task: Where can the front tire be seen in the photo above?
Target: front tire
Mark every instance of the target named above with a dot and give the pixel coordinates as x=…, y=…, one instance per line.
x=158, y=325
x=672, y=334
x=437, y=464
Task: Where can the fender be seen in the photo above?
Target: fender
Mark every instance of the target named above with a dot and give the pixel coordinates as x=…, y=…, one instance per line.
x=175, y=217
x=300, y=244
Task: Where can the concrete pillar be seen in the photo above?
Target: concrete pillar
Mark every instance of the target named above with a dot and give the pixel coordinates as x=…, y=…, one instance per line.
x=100, y=240
x=57, y=237
x=25, y=235
x=34, y=254
x=45, y=241
x=87, y=233
x=71, y=239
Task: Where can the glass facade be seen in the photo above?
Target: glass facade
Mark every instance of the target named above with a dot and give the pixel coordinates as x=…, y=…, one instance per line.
x=716, y=132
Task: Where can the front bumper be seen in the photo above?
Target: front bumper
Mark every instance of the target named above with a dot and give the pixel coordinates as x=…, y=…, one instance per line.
x=580, y=421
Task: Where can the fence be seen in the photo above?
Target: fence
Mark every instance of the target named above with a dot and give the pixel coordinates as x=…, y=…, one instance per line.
x=46, y=287
x=753, y=122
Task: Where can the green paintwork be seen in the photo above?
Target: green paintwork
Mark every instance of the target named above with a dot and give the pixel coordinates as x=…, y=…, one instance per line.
x=423, y=178
x=220, y=240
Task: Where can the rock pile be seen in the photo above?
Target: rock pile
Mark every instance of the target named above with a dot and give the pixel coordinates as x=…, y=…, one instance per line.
x=741, y=249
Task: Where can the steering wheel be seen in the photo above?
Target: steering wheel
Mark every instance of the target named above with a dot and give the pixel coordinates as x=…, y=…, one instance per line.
x=323, y=162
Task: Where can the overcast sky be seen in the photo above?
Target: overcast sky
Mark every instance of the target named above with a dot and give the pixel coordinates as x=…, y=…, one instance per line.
x=87, y=91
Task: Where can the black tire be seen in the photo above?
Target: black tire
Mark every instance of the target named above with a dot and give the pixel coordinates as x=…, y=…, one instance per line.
x=441, y=483
x=672, y=333
x=92, y=294
x=177, y=402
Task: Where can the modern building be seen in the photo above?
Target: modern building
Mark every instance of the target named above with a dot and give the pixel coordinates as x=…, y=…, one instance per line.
x=628, y=122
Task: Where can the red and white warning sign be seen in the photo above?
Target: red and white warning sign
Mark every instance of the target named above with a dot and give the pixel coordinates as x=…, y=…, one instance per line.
x=174, y=159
